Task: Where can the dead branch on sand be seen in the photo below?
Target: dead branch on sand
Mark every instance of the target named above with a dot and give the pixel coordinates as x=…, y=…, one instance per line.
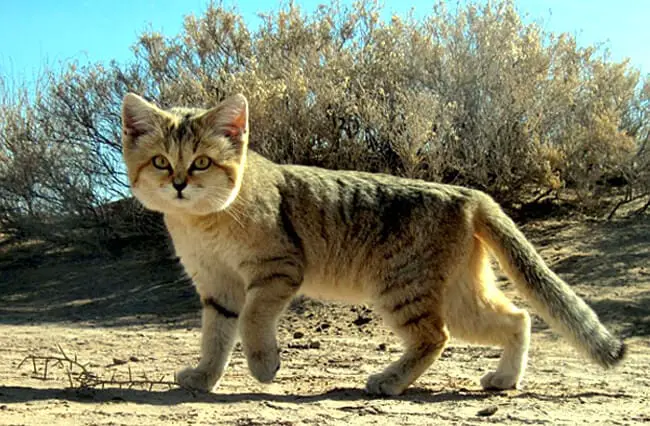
x=80, y=377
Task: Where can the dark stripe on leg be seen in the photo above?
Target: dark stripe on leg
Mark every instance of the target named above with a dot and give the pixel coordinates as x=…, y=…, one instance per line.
x=260, y=282
x=225, y=312
x=282, y=260
x=415, y=320
x=407, y=302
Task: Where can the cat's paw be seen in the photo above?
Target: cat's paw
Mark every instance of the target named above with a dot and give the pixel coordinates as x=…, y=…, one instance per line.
x=192, y=378
x=387, y=384
x=264, y=364
x=499, y=381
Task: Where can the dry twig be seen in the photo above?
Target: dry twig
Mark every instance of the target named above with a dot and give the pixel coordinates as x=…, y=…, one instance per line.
x=80, y=377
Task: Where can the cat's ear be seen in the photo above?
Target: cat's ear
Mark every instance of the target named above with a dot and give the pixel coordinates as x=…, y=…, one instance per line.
x=139, y=117
x=229, y=118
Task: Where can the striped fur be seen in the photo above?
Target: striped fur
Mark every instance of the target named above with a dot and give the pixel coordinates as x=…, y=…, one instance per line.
x=253, y=234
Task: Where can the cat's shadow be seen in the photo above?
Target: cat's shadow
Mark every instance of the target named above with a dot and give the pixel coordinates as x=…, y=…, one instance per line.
x=18, y=394
x=22, y=394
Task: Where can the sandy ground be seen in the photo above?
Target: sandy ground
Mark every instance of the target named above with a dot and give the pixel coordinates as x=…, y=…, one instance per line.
x=135, y=311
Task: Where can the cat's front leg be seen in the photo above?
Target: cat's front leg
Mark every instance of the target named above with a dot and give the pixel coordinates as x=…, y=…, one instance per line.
x=218, y=333
x=267, y=296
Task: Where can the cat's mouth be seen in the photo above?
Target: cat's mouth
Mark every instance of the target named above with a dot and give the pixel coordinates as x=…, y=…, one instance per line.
x=180, y=198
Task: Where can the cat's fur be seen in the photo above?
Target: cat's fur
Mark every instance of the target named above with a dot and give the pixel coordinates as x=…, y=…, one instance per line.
x=252, y=234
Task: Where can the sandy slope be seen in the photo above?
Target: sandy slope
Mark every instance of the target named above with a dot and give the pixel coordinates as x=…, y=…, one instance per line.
x=133, y=309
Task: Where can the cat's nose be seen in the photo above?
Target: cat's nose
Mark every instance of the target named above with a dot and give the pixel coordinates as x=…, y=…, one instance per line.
x=179, y=186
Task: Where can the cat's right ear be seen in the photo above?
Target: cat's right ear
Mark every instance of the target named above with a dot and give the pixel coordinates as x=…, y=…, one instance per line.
x=138, y=117
x=229, y=118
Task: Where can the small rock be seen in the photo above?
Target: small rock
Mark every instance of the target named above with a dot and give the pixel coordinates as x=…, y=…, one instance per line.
x=310, y=345
x=486, y=412
x=134, y=359
x=297, y=346
x=322, y=327
x=117, y=361
x=361, y=321
x=298, y=335
x=381, y=347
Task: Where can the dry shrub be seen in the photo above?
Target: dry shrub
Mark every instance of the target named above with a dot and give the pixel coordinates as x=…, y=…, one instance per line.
x=471, y=96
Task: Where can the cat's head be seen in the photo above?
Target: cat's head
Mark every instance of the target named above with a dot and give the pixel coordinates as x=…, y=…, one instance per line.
x=185, y=161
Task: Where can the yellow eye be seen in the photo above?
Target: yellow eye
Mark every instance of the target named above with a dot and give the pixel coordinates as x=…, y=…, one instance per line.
x=160, y=162
x=201, y=163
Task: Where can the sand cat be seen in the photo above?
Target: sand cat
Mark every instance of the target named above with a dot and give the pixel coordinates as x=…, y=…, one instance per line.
x=253, y=234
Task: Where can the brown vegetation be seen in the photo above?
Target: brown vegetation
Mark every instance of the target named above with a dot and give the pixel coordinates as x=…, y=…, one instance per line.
x=472, y=97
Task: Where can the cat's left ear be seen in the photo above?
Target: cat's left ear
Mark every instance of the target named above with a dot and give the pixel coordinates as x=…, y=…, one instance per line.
x=229, y=118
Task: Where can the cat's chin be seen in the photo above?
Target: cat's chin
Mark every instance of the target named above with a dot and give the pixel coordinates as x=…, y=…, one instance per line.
x=191, y=204
x=169, y=206
x=182, y=207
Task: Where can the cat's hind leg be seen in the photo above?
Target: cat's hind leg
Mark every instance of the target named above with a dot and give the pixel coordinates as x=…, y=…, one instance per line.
x=478, y=312
x=411, y=310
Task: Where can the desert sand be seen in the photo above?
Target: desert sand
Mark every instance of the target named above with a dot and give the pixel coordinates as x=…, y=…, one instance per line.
x=130, y=317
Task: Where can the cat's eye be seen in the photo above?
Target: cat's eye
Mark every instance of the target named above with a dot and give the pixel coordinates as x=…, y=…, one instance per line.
x=160, y=162
x=201, y=163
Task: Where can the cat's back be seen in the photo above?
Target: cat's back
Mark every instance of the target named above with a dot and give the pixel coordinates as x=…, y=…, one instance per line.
x=344, y=209
x=359, y=190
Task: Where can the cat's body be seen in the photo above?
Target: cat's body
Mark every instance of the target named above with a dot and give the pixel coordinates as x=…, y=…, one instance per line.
x=252, y=234
x=342, y=225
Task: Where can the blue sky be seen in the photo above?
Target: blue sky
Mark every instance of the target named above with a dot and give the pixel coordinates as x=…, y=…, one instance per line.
x=47, y=32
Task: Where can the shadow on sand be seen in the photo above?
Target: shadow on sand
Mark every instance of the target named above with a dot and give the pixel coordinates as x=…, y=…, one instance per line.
x=143, y=285
x=17, y=394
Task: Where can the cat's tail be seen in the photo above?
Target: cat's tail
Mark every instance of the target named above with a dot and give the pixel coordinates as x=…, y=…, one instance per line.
x=551, y=297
